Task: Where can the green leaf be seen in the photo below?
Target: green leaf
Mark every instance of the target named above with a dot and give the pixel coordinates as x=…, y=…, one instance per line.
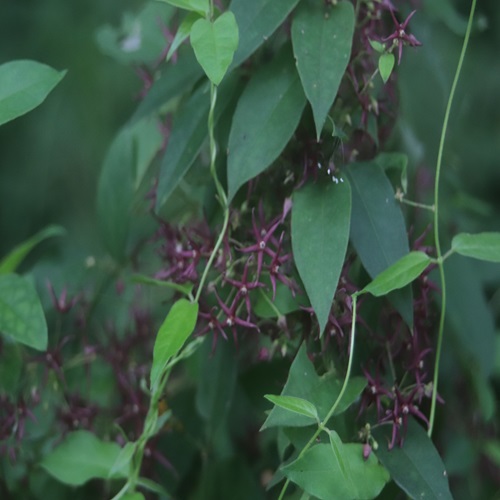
x=400, y=274
x=81, y=457
x=318, y=472
x=257, y=20
x=133, y=496
x=139, y=39
x=11, y=364
x=304, y=383
x=123, y=459
x=397, y=161
x=416, y=467
x=214, y=44
x=11, y=261
x=23, y=86
x=185, y=288
x=199, y=6
x=265, y=119
x=321, y=216
x=216, y=385
x=148, y=141
x=377, y=46
x=483, y=246
x=385, y=66
x=492, y=450
x=470, y=317
x=175, y=79
x=295, y=405
x=322, y=40
x=284, y=302
x=182, y=33
x=188, y=134
x=21, y=314
x=177, y=327
x=337, y=447
x=378, y=230
x=115, y=192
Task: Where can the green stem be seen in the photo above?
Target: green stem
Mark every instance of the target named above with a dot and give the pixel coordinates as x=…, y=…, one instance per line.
x=220, y=190
x=436, y=219
x=322, y=424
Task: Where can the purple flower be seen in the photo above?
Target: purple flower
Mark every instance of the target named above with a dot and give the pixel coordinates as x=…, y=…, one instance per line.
x=263, y=237
x=399, y=37
x=243, y=287
x=231, y=317
x=61, y=303
x=403, y=407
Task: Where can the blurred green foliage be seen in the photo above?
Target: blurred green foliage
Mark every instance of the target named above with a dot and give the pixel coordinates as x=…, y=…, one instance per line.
x=51, y=157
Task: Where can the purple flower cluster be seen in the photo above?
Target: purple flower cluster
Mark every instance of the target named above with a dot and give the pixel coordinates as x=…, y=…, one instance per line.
x=399, y=381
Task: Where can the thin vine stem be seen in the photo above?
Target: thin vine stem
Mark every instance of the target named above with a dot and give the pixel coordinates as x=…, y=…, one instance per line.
x=220, y=190
x=436, y=219
x=322, y=424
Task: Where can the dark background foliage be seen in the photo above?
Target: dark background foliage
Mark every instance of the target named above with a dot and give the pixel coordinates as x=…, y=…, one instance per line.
x=50, y=161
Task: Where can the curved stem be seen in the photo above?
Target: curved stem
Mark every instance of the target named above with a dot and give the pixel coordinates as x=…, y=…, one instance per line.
x=322, y=424
x=436, y=219
x=220, y=190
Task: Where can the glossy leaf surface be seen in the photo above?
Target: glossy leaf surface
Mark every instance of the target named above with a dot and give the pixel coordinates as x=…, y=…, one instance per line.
x=321, y=217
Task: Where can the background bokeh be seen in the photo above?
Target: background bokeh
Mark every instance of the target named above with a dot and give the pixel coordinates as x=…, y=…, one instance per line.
x=50, y=161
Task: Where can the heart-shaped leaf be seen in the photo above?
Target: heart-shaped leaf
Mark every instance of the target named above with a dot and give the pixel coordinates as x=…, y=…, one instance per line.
x=214, y=44
x=321, y=217
x=23, y=86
